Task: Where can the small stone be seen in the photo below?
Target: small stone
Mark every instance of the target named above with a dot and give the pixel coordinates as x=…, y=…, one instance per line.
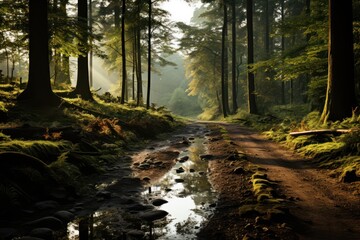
x=44, y=233
x=349, y=176
x=153, y=215
x=136, y=234
x=144, y=166
x=64, y=216
x=192, y=170
x=159, y=202
x=180, y=170
x=239, y=170
x=46, y=222
x=179, y=180
x=183, y=159
x=206, y=156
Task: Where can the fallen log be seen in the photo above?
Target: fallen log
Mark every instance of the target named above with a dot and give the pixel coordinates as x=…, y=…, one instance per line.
x=321, y=132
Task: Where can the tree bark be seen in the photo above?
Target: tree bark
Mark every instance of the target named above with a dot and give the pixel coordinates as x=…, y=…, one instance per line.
x=234, y=62
x=149, y=57
x=250, y=39
x=340, y=95
x=38, y=91
x=123, y=52
x=224, y=97
x=82, y=85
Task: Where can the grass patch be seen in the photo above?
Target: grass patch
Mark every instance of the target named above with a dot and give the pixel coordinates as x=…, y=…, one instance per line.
x=47, y=151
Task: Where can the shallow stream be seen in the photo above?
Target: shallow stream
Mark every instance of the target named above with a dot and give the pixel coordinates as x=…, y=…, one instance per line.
x=190, y=201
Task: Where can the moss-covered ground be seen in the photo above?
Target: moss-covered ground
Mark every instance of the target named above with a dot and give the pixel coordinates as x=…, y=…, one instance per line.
x=338, y=152
x=69, y=143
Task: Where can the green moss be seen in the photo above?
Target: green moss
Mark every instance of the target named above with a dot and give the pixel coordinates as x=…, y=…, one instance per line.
x=322, y=149
x=47, y=151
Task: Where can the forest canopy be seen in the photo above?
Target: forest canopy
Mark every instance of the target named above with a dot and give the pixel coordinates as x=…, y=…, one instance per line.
x=288, y=64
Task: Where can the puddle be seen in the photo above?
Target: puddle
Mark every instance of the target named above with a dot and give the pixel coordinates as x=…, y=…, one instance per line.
x=190, y=202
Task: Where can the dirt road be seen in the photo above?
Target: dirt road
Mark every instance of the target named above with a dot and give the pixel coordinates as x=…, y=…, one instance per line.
x=328, y=208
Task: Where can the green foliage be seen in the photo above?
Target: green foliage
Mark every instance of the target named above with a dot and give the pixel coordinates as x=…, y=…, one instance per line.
x=47, y=151
x=182, y=104
x=68, y=174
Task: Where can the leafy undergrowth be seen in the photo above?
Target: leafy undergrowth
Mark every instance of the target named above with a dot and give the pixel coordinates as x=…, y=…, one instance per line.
x=338, y=152
x=69, y=144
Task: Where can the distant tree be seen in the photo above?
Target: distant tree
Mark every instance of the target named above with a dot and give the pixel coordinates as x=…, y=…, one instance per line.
x=149, y=55
x=250, y=39
x=123, y=53
x=340, y=96
x=38, y=91
x=224, y=64
x=233, y=56
x=82, y=85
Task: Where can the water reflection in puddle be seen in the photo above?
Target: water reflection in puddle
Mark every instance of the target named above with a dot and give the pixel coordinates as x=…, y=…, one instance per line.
x=190, y=200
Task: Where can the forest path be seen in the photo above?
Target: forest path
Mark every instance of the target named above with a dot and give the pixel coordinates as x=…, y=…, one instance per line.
x=328, y=208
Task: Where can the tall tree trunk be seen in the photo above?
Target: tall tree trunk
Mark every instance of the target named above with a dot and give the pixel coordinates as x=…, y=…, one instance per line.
x=139, y=89
x=134, y=67
x=149, y=57
x=123, y=53
x=38, y=91
x=226, y=59
x=91, y=44
x=267, y=30
x=233, y=61
x=117, y=12
x=223, y=64
x=82, y=85
x=283, y=100
x=340, y=94
x=250, y=39
x=64, y=75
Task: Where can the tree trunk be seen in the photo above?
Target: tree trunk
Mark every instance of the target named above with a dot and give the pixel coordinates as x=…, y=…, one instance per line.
x=226, y=59
x=267, y=30
x=38, y=91
x=123, y=53
x=250, y=39
x=223, y=64
x=340, y=95
x=283, y=100
x=139, y=71
x=64, y=75
x=233, y=61
x=149, y=57
x=91, y=44
x=82, y=85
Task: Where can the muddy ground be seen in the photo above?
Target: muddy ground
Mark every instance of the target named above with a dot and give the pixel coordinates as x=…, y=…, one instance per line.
x=302, y=202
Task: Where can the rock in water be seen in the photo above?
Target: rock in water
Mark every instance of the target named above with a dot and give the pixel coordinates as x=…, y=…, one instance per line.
x=153, y=215
x=46, y=222
x=43, y=233
x=158, y=202
x=64, y=216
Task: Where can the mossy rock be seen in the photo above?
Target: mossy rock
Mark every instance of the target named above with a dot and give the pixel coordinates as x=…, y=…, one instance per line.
x=349, y=175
